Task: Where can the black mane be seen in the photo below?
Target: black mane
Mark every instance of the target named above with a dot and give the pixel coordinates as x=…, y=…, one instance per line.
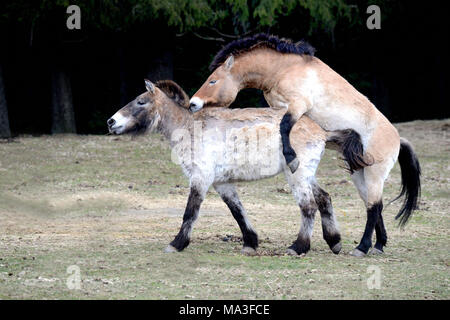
x=243, y=45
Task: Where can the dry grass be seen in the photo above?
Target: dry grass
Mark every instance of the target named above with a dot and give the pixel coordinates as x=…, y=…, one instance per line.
x=110, y=205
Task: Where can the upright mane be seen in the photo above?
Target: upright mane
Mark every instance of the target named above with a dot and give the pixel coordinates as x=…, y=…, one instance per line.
x=174, y=92
x=240, y=46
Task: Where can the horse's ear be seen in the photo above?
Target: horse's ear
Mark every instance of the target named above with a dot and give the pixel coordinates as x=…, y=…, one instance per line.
x=229, y=62
x=174, y=92
x=149, y=86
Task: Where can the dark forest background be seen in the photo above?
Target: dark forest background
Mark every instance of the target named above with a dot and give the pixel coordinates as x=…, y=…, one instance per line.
x=55, y=80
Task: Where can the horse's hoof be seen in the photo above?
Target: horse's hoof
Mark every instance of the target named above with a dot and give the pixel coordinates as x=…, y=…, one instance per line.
x=293, y=165
x=291, y=252
x=357, y=253
x=337, y=248
x=170, y=249
x=248, y=251
x=376, y=251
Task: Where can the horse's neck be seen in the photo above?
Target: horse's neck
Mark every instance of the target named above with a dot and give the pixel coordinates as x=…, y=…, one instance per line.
x=259, y=68
x=177, y=126
x=173, y=117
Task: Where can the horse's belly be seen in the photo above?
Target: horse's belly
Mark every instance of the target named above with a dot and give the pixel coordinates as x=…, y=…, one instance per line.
x=247, y=171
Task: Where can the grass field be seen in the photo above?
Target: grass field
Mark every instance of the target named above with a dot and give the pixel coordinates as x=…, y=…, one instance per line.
x=110, y=205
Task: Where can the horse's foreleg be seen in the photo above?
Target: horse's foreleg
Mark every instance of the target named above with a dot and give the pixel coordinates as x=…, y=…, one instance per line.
x=182, y=239
x=308, y=207
x=229, y=195
x=303, y=242
x=303, y=186
x=330, y=227
x=286, y=124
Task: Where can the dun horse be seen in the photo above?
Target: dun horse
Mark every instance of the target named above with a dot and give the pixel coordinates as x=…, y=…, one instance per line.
x=223, y=155
x=235, y=146
x=293, y=80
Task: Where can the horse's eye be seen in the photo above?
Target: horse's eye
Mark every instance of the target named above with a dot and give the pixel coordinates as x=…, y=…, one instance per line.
x=141, y=102
x=212, y=82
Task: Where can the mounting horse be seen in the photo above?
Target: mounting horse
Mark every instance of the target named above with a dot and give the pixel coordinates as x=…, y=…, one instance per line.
x=220, y=146
x=295, y=81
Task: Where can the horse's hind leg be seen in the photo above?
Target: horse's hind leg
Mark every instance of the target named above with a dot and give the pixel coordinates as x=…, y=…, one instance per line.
x=330, y=226
x=381, y=234
x=229, y=195
x=372, y=190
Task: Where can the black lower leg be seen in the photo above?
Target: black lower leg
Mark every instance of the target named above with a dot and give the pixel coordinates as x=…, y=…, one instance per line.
x=285, y=129
x=237, y=210
x=329, y=228
x=373, y=213
x=381, y=234
x=303, y=242
x=182, y=239
x=301, y=245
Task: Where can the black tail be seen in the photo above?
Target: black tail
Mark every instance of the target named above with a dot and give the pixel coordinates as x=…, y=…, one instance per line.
x=410, y=168
x=352, y=149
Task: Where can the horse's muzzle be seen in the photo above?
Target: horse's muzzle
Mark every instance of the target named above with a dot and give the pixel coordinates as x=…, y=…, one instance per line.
x=195, y=104
x=110, y=122
x=112, y=127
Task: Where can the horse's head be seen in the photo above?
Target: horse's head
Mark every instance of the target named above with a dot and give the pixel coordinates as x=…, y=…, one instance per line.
x=219, y=90
x=144, y=112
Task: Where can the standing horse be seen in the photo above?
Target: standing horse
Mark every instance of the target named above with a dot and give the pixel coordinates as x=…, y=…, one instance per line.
x=239, y=145
x=294, y=80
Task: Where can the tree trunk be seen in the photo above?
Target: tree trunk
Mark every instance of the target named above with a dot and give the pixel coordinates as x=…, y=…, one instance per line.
x=63, y=117
x=5, y=131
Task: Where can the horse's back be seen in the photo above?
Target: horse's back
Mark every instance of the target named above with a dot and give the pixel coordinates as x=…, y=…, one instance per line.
x=248, y=115
x=262, y=124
